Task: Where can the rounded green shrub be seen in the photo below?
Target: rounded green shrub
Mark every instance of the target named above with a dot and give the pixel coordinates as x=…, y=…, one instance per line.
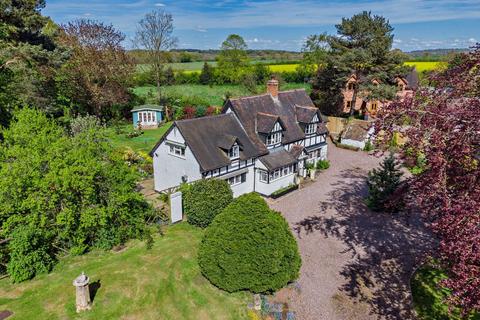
x=204, y=199
x=249, y=247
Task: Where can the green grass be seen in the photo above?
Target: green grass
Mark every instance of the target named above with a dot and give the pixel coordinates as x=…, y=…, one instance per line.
x=428, y=296
x=214, y=94
x=162, y=283
x=144, y=142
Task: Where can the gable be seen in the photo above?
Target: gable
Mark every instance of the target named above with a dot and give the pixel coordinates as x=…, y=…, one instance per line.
x=247, y=109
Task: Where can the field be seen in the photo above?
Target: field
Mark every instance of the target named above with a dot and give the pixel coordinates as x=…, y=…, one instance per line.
x=212, y=94
x=428, y=296
x=426, y=66
x=135, y=283
x=190, y=67
x=144, y=142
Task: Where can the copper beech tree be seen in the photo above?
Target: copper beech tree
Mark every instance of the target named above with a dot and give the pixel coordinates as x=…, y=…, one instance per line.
x=442, y=125
x=97, y=74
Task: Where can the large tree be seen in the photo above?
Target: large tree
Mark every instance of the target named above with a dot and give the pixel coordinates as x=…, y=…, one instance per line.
x=155, y=35
x=443, y=127
x=362, y=47
x=96, y=77
x=232, y=59
x=28, y=57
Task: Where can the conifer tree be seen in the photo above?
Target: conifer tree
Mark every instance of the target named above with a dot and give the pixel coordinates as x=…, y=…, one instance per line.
x=382, y=183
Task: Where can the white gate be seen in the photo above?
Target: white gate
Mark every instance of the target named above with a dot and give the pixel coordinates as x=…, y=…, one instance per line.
x=176, y=208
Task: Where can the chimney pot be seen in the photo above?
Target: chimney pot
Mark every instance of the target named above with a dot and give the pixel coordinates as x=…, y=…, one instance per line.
x=272, y=87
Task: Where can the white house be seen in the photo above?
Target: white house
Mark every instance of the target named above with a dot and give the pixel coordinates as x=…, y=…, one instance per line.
x=259, y=143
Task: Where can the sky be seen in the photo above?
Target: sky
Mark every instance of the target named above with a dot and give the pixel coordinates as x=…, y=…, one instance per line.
x=284, y=24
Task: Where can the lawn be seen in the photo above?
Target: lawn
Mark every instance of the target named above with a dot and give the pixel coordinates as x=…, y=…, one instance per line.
x=428, y=296
x=212, y=94
x=162, y=283
x=144, y=142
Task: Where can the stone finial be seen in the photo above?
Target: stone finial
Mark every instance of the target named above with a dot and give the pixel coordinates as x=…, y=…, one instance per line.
x=82, y=292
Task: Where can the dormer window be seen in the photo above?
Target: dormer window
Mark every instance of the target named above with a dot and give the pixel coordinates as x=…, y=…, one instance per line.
x=274, y=138
x=234, y=152
x=311, y=128
x=351, y=86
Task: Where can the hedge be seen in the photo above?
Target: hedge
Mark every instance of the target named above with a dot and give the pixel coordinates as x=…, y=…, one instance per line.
x=249, y=247
x=204, y=199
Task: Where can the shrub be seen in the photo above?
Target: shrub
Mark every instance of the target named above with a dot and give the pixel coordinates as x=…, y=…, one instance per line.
x=249, y=247
x=79, y=193
x=30, y=253
x=368, y=146
x=204, y=199
x=382, y=183
x=323, y=164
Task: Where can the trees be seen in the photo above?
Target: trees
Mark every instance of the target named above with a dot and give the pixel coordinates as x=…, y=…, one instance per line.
x=232, y=59
x=206, y=198
x=29, y=57
x=362, y=48
x=97, y=75
x=62, y=192
x=443, y=125
x=249, y=247
x=382, y=183
x=155, y=35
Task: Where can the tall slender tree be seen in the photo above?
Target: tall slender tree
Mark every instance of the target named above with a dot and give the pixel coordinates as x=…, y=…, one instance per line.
x=232, y=59
x=155, y=35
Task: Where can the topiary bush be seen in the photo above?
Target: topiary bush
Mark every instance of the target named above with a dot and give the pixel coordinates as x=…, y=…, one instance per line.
x=249, y=247
x=204, y=199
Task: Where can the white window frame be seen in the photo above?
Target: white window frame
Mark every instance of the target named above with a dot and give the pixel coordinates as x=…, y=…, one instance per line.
x=282, y=172
x=147, y=117
x=176, y=150
x=274, y=138
x=236, y=180
x=311, y=128
x=263, y=176
x=234, y=152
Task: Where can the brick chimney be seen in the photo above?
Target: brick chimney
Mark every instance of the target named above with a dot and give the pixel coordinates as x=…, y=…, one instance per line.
x=272, y=87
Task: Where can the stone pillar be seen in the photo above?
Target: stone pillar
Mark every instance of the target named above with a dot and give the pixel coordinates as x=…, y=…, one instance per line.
x=82, y=293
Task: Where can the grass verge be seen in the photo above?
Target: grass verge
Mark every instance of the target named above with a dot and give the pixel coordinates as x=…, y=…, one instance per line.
x=162, y=283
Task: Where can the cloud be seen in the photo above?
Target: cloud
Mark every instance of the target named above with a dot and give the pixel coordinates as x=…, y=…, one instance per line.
x=158, y=4
x=200, y=29
x=472, y=40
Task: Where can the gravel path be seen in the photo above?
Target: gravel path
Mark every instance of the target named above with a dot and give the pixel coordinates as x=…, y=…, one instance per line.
x=356, y=263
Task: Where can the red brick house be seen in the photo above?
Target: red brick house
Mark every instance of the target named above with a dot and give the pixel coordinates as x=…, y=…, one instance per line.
x=406, y=85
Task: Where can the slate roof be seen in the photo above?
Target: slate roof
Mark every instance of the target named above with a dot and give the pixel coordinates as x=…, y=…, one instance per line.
x=305, y=114
x=277, y=159
x=356, y=130
x=210, y=137
x=296, y=150
x=248, y=108
x=266, y=122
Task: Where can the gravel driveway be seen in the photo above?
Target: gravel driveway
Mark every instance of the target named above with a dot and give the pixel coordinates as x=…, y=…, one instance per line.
x=356, y=263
